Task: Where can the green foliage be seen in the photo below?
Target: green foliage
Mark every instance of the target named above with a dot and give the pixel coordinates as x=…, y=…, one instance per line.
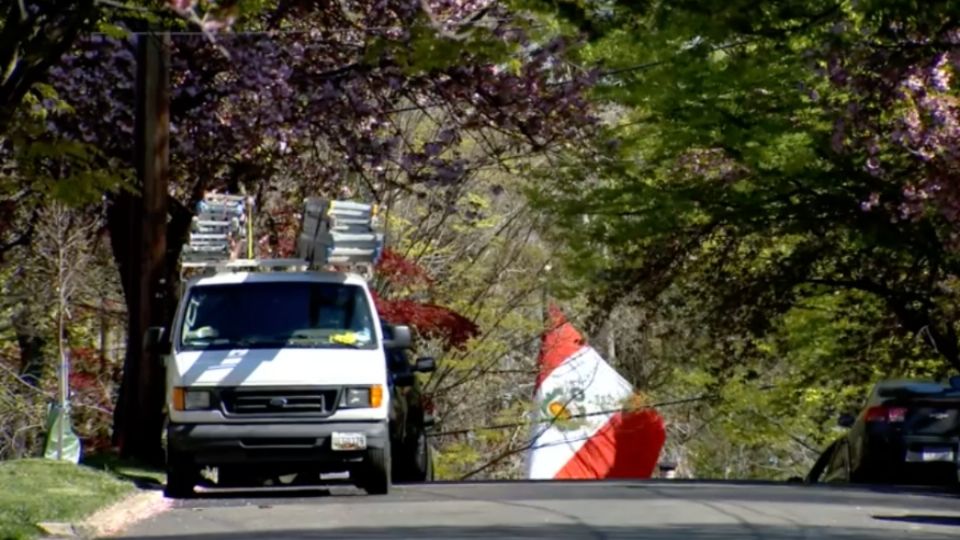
x=477, y=243
x=63, y=169
x=727, y=167
x=779, y=406
x=719, y=205
x=429, y=51
x=455, y=459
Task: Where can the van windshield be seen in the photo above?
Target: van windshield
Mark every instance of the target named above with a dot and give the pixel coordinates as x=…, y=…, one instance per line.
x=277, y=314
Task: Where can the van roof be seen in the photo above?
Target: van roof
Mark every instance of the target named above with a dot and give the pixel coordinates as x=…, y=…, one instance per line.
x=228, y=278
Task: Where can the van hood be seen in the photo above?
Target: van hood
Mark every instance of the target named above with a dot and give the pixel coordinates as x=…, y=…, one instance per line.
x=269, y=367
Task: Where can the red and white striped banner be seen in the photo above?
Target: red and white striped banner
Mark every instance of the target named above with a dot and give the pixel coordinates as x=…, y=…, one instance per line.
x=584, y=427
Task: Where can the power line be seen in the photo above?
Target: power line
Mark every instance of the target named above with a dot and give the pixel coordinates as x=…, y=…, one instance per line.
x=311, y=32
x=514, y=425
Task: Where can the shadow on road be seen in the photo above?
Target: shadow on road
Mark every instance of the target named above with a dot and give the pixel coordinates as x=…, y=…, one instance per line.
x=951, y=491
x=297, y=492
x=950, y=521
x=142, y=482
x=766, y=492
x=565, y=531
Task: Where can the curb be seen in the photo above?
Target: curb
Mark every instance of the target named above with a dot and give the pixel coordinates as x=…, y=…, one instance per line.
x=113, y=519
x=117, y=517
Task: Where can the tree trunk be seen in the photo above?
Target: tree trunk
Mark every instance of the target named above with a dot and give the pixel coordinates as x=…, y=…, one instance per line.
x=138, y=226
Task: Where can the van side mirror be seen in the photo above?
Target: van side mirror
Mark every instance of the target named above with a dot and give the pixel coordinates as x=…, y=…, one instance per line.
x=401, y=338
x=846, y=420
x=425, y=365
x=155, y=340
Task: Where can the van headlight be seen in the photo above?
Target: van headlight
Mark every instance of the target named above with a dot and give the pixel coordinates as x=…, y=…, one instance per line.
x=190, y=400
x=356, y=397
x=362, y=397
x=197, y=399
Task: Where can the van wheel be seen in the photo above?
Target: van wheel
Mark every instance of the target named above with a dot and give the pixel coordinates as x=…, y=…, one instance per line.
x=181, y=478
x=421, y=459
x=376, y=475
x=412, y=460
x=430, y=477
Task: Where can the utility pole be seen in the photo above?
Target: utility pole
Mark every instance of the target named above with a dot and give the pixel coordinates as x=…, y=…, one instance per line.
x=545, y=297
x=141, y=421
x=156, y=158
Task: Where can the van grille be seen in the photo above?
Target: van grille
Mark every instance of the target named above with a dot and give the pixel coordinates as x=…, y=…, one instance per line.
x=311, y=401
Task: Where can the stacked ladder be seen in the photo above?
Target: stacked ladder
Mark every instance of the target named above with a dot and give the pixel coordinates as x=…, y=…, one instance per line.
x=218, y=231
x=334, y=235
x=339, y=234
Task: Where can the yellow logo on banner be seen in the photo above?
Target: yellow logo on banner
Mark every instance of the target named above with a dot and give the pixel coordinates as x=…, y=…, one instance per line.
x=564, y=408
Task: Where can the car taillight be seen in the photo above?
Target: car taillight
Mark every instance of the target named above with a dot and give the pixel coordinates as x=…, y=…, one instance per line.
x=886, y=414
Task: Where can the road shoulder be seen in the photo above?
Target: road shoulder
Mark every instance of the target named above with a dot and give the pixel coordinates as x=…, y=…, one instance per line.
x=116, y=518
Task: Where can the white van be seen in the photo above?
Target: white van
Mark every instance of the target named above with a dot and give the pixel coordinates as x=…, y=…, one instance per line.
x=277, y=372
x=275, y=368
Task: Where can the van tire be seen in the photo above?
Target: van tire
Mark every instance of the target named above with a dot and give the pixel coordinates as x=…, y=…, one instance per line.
x=376, y=475
x=430, y=477
x=180, y=482
x=420, y=458
x=182, y=476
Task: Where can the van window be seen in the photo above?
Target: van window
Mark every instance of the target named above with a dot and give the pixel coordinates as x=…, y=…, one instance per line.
x=277, y=314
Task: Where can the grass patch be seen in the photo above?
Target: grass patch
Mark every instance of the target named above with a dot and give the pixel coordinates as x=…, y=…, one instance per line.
x=144, y=476
x=35, y=490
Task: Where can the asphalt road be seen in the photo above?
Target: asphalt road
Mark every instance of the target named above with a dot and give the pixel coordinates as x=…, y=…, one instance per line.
x=655, y=510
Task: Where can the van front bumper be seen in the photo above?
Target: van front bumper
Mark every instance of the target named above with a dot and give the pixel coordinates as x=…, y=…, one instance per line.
x=234, y=444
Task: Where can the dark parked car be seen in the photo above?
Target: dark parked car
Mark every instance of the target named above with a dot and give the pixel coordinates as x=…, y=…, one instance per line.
x=907, y=432
x=410, y=419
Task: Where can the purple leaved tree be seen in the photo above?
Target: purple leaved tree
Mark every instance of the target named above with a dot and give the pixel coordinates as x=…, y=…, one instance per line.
x=317, y=99
x=901, y=120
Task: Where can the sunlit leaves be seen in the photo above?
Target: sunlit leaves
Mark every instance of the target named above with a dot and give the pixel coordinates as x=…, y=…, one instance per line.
x=781, y=192
x=48, y=164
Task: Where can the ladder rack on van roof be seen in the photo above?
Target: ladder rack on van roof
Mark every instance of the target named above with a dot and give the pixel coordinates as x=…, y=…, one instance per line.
x=338, y=236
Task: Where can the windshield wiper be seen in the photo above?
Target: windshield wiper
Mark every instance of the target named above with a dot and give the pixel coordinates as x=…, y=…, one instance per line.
x=319, y=343
x=259, y=342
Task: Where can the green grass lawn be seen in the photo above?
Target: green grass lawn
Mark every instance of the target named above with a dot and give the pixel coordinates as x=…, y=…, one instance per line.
x=35, y=490
x=145, y=476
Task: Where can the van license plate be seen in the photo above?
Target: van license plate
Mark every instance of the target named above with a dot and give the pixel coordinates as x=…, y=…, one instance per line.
x=348, y=441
